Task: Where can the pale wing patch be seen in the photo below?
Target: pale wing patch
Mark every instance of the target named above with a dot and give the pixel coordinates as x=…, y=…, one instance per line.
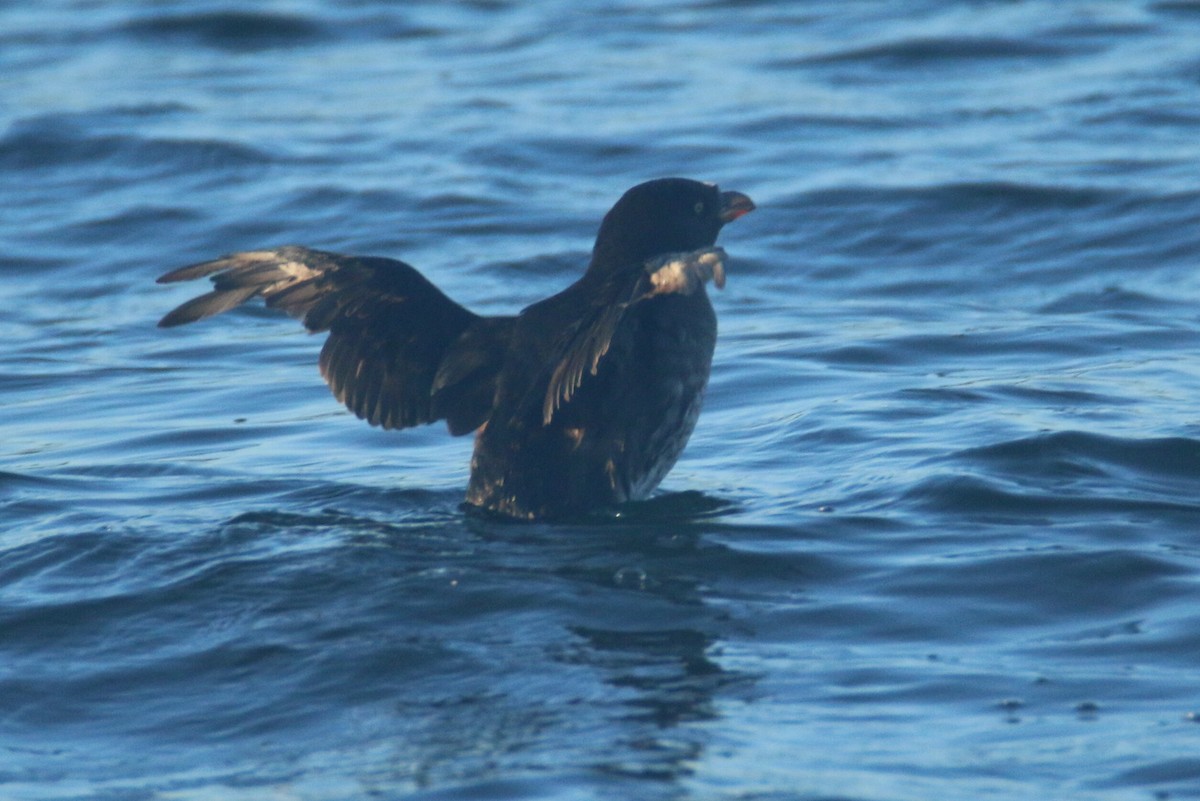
x=575, y=435
x=241, y=276
x=684, y=273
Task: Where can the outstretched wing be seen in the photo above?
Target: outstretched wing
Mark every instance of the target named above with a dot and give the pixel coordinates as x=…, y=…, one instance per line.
x=389, y=330
x=588, y=341
x=464, y=388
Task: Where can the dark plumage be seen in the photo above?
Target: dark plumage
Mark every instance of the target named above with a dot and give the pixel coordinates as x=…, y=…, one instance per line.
x=583, y=400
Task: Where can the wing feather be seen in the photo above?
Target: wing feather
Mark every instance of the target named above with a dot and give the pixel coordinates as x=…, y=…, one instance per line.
x=389, y=329
x=588, y=342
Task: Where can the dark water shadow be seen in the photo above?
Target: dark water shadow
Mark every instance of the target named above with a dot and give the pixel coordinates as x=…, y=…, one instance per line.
x=672, y=507
x=615, y=600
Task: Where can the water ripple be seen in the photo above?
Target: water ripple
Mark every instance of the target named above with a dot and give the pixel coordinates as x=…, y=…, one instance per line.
x=230, y=30
x=44, y=144
x=937, y=521
x=916, y=52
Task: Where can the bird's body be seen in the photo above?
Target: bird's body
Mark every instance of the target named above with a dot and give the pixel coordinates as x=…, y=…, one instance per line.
x=619, y=434
x=583, y=400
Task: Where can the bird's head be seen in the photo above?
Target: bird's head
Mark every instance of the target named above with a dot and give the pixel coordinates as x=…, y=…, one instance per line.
x=667, y=215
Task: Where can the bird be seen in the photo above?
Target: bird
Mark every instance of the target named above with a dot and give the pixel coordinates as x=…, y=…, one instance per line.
x=581, y=402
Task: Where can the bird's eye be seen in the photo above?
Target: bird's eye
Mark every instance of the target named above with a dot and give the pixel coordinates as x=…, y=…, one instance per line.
x=699, y=208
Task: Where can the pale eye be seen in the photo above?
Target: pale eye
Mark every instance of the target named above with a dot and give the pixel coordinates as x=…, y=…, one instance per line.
x=699, y=208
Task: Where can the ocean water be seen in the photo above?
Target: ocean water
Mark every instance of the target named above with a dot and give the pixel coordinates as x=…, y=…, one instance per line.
x=937, y=535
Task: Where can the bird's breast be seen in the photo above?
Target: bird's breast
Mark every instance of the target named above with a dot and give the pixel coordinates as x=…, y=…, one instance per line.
x=621, y=431
x=672, y=342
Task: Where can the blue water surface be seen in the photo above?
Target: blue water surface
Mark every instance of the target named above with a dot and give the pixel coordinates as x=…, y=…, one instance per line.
x=937, y=535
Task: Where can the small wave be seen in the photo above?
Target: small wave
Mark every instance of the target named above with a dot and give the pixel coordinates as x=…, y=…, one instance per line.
x=28, y=265
x=339, y=202
x=1035, y=232
x=1142, y=118
x=431, y=513
x=231, y=30
x=147, y=109
x=793, y=123
x=47, y=142
x=1067, y=452
x=675, y=507
x=1108, y=299
x=129, y=225
x=1184, y=771
x=960, y=197
x=10, y=479
x=600, y=156
x=1029, y=496
x=923, y=51
x=1055, y=397
x=1068, y=475
x=902, y=220
x=1016, y=227
x=1051, y=584
x=1179, y=7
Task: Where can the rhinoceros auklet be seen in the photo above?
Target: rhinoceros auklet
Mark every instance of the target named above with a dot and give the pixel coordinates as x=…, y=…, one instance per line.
x=583, y=400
